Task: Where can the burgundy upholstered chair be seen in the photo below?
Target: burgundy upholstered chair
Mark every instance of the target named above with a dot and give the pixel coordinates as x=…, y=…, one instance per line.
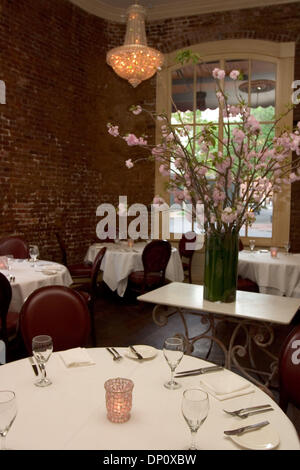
x=90, y=291
x=186, y=253
x=246, y=284
x=80, y=270
x=289, y=370
x=15, y=246
x=8, y=320
x=59, y=312
x=155, y=257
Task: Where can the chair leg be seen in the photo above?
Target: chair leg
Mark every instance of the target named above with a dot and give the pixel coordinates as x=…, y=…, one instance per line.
x=93, y=326
x=190, y=271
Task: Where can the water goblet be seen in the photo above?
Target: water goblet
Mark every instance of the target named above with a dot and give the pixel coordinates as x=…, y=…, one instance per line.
x=42, y=347
x=251, y=244
x=8, y=413
x=9, y=261
x=33, y=253
x=194, y=407
x=173, y=351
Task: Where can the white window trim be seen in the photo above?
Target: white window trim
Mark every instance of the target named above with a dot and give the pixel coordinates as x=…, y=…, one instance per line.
x=283, y=54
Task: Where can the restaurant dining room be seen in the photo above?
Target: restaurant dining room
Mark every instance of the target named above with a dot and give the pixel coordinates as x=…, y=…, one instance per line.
x=149, y=227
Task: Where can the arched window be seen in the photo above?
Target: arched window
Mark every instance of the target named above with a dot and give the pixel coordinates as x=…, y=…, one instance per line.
x=187, y=94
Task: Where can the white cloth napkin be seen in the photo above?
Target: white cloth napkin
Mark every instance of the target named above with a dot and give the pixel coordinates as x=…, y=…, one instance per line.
x=76, y=357
x=225, y=385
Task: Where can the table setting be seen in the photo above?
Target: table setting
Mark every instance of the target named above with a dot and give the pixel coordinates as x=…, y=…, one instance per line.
x=25, y=276
x=94, y=401
x=275, y=272
x=124, y=257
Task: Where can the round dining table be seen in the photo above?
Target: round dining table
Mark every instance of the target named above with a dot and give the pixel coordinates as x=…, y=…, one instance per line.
x=274, y=276
x=26, y=276
x=71, y=413
x=120, y=260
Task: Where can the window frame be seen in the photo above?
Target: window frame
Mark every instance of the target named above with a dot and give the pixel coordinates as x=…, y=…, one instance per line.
x=283, y=55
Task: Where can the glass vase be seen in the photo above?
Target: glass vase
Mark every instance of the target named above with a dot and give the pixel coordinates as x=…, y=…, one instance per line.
x=221, y=266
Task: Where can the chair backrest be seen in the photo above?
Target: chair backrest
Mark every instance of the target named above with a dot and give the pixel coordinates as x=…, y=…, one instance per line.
x=155, y=257
x=15, y=246
x=289, y=370
x=63, y=248
x=95, y=271
x=241, y=245
x=59, y=312
x=5, y=298
x=185, y=249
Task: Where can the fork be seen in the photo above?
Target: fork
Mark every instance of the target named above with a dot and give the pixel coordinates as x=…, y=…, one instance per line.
x=117, y=353
x=242, y=412
x=251, y=413
x=116, y=357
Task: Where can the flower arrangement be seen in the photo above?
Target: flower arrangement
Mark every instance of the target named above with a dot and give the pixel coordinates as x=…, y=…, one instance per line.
x=232, y=177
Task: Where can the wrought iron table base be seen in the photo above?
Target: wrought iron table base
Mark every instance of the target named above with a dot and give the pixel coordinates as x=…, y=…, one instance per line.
x=256, y=334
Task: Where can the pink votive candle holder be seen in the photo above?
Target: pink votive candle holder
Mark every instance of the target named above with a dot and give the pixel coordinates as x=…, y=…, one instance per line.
x=3, y=262
x=118, y=399
x=273, y=251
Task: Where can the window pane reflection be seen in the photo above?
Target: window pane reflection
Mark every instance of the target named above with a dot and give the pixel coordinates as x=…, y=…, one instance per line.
x=206, y=100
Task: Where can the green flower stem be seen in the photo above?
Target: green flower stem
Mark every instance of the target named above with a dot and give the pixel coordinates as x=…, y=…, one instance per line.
x=221, y=262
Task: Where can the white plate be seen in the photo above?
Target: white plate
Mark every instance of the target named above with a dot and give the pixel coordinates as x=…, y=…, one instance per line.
x=49, y=272
x=265, y=438
x=148, y=352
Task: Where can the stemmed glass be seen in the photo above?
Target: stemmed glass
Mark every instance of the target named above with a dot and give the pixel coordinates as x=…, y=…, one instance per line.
x=173, y=351
x=34, y=253
x=195, y=406
x=9, y=261
x=8, y=413
x=252, y=244
x=42, y=347
x=287, y=247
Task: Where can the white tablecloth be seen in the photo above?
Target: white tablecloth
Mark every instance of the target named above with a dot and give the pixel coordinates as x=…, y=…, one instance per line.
x=276, y=276
x=71, y=413
x=29, y=278
x=120, y=260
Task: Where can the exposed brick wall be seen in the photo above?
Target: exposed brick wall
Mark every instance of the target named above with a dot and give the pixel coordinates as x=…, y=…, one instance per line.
x=57, y=162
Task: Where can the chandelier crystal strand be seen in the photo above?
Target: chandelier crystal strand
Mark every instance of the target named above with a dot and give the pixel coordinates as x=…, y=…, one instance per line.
x=135, y=61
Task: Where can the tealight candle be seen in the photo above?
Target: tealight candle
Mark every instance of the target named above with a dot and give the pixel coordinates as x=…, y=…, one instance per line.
x=3, y=262
x=273, y=251
x=118, y=399
x=130, y=243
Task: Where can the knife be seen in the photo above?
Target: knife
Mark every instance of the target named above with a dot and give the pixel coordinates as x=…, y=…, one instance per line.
x=238, y=431
x=138, y=355
x=34, y=366
x=203, y=370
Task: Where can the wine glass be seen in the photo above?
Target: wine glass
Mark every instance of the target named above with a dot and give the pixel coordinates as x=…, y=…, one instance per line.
x=252, y=244
x=42, y=347
x=33, y=253
x=9, y=261
x=8, y=413
x=195, y=406
x=173, y=352
x=287, y=247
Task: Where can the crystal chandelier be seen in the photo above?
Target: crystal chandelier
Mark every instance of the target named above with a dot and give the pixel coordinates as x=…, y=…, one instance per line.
x=135, y=61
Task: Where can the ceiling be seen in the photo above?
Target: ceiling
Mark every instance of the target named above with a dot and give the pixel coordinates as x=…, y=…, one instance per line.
x=115, y=10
